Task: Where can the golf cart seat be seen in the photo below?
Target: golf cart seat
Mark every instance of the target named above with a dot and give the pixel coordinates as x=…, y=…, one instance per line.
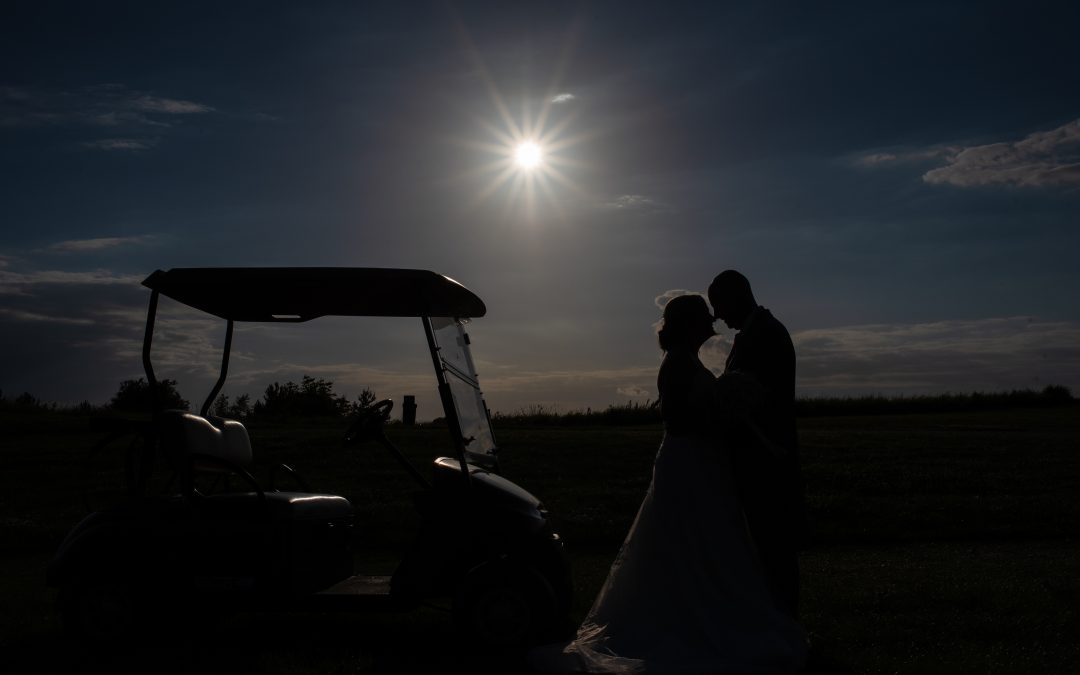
x=223, y=440
x=222, y=446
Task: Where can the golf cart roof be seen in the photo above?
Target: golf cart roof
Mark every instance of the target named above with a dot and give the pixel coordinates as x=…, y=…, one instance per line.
x=303, y=293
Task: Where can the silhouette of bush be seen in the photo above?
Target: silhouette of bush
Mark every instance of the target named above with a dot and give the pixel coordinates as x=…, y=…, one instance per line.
x=238, y=409
x=313, y=397
x=135, y=396
x=26, y=401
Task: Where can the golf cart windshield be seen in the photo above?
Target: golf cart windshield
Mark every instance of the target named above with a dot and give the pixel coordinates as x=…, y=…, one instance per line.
x=459, y=373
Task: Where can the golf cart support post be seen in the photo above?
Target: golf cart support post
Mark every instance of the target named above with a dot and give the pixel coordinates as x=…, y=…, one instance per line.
x=298, y=294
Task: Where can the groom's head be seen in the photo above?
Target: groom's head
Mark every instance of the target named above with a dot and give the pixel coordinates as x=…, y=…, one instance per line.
x=731, y=298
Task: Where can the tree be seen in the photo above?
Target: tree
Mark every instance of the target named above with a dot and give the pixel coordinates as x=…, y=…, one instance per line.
x=365, y=399
x=135, y=396
x=236, y=410
x=313, y=397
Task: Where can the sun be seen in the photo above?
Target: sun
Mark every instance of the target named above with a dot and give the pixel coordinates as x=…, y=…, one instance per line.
x=531, y=158
x=527, y=155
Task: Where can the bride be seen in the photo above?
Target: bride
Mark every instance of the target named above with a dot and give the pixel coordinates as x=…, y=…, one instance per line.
x=686, y=593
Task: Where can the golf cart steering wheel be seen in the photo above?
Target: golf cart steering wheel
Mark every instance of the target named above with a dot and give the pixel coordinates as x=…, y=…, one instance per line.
x=369, y=421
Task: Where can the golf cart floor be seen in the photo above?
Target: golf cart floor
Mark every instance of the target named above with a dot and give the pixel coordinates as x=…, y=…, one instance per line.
x=360, y=585
x=360, y=590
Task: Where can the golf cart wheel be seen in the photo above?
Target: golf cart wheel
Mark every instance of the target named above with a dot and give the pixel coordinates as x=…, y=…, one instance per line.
x=504, y=604
x=102, y=609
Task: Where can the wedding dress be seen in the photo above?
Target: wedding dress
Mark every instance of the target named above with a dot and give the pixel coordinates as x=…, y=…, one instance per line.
x=686, y=593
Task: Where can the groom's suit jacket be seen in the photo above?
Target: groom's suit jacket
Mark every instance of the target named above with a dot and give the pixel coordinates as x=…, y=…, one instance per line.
x=770, y=477
x=763, y=349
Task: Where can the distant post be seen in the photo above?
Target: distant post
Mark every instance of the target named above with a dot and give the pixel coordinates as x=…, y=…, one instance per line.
x=408, y=411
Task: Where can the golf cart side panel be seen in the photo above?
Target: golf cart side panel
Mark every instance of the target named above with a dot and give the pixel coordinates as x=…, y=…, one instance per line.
x=304, y=293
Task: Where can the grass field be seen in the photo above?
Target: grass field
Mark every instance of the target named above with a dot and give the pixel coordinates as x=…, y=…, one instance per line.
x=943, y=543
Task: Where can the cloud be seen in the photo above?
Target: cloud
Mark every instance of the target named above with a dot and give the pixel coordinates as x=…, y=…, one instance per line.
x=565, y=97
x=885, y=158
x=97, y=244
x=664, y=298
x=961, y=355
x=106, y=105
x=118, y=118
x=876, y=158
x=1044, y=158
x=169, y=106
x=634, y=203
x=511, y=389
x=21, y=315
x=22, y=283
x=129, y=144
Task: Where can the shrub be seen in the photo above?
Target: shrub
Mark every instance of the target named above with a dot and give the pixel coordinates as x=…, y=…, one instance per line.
x=135, y=396
x=313, y=397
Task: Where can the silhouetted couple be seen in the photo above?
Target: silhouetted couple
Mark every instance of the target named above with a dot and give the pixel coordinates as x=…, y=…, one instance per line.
x=707, y=579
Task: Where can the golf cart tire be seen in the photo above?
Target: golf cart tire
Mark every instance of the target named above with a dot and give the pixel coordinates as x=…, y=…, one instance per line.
x=506, y=605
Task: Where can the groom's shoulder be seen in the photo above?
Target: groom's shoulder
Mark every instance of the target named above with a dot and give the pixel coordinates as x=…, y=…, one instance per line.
x=765, y=322
x=770, y=329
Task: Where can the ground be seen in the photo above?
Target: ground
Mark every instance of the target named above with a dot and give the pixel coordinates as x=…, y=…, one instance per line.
x=942, y=543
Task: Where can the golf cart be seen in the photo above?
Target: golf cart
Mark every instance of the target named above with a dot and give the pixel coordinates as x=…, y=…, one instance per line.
x=171, y=544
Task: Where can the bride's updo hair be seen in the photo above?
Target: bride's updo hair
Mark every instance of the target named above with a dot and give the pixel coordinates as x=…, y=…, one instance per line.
x=687, y=323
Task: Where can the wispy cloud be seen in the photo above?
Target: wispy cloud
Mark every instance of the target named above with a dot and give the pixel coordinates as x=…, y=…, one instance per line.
x=664, y=298
x=123, y=144
x=111, y=106
x=21, y=315
x=170, y=106
x=97, y=244
x=905, y=156
x=564, y=97
x=510, y=389
x=1044, y=158
x=21, y=283
x=635, y=203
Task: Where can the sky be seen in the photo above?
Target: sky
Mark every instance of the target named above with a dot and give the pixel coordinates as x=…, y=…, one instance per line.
x=899, y=181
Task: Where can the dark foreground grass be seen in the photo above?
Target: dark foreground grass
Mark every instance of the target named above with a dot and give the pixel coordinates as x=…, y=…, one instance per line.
x=943, y=543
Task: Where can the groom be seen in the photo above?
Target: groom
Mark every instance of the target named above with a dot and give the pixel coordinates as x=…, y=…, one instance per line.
x=766, y=453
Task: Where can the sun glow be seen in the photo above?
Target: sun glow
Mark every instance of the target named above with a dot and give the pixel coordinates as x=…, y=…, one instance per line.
x=532, y=157
x=527, y=155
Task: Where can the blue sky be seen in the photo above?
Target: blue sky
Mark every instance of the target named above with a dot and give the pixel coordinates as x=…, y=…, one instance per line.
x=900, y=182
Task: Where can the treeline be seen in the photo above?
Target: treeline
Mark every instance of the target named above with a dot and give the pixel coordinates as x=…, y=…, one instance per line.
x=626, y=414
x=311, y=397
x=314, y=397
x=1048, y=397
x=632, y=413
